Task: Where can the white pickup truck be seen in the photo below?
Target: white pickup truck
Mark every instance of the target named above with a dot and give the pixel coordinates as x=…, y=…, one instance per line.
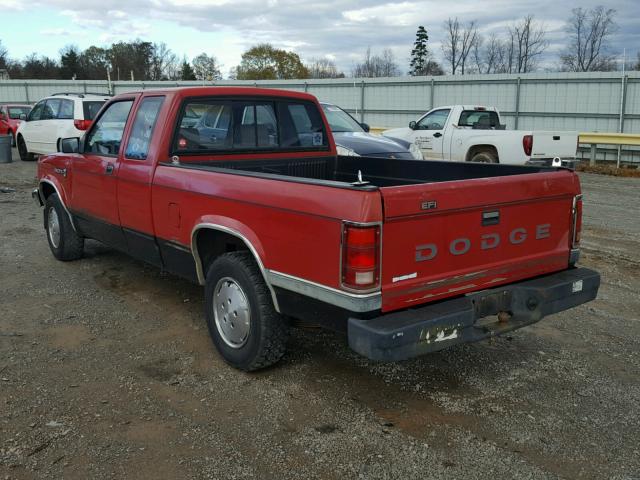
x=465, y=133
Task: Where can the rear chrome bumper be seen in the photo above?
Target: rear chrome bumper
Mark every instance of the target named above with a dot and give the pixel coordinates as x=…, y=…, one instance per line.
x=548, y=162
x=410, y=333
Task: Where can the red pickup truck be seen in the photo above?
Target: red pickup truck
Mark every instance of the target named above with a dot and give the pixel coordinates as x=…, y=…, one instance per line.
x=241, y=190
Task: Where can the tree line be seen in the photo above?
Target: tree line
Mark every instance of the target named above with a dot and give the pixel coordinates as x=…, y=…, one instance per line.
x=465, y=50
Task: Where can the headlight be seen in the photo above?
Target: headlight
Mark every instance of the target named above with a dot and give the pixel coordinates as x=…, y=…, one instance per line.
x=416, y=152
x=346, y=151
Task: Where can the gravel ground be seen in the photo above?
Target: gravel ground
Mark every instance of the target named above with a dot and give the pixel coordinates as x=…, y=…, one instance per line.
x=107, y=371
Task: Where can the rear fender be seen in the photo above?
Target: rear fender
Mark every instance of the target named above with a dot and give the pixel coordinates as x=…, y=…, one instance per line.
x=237, y=229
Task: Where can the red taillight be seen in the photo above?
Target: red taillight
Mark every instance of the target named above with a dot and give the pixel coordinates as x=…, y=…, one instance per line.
x=82, y=124
x=527, y=144
x=360, y=256
x=576, y=221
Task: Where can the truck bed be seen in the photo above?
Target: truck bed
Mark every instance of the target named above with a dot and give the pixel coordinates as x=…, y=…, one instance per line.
x=342, y=171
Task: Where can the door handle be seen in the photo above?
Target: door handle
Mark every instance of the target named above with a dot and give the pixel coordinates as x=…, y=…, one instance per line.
x=109, y=169
x=437, y=135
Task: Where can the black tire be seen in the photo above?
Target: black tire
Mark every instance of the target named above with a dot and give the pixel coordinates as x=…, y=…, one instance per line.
x=25, y=156
x=266, y=339
x=484, y=157
x=69, y=245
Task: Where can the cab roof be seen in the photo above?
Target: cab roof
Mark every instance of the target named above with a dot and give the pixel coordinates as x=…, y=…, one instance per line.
x=182, y=92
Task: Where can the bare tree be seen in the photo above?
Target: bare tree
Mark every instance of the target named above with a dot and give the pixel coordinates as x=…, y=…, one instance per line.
x=164, y=63
x=323, y=68
x=4, y=56
x=459, y=44
x=589, y=32
x=526, y=44
x=207, y=68
x=384, y=65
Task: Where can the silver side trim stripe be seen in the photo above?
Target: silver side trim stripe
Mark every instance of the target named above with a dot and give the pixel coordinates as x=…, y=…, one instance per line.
x=59, y=196
x=346, y=300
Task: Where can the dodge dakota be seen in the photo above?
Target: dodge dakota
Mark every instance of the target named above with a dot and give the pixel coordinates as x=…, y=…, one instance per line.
x=241, y=190
x=465, y=133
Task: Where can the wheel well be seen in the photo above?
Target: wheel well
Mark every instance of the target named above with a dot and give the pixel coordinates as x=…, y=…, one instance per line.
x=482, y=148
x=46, y=190
x=213, y=243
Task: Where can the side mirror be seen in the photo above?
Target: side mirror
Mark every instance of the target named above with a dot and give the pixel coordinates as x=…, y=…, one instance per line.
x=365, y=126
x=23, y=116
x=412, y=125
x=70, y=145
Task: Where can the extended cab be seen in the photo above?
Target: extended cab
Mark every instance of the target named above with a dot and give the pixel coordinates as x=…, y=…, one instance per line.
x=241, y=191
x=464, y=133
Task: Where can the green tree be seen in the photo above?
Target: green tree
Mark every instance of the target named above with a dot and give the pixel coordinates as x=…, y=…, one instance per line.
x=35, y=67
x=206, y=67
x=420, y=53
x=127, y=57
x=265, y=62
x=70, y=63
x=94, y=63
x=4, y=56
x=186, y=72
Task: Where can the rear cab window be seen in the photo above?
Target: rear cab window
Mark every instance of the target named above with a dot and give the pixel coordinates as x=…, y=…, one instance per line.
x=215, y=125
x=479, y=119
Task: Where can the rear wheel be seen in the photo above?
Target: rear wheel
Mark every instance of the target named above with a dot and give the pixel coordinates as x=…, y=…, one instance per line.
x=243, y=324
x=64, y=241
x=484, y=157
x=25, y=156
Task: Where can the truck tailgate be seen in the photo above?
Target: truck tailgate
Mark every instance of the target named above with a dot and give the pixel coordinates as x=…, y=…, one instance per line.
x=554, y=144
x=445, y=239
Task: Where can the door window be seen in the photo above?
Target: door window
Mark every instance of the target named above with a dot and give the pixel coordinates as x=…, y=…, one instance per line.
x=142, y=129
x=51, y=108
x=434, y=120
x=36, y=112
x=106, y=134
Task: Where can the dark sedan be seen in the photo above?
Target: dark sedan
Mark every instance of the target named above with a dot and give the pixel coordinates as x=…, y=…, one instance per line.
x=353, y=138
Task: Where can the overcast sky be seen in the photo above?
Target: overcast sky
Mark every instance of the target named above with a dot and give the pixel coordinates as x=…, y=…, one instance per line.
x=340, y=30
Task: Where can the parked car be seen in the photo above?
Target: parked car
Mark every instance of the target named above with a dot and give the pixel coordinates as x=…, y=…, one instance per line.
x=11, y=116
x=353, y=138
x=53, y=118
x=404, y=257
x=476, y=134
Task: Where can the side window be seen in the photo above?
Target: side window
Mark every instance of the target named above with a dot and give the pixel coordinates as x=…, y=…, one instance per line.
x=204, y=125
x=66, y=110
x=51, y=108
x=434, y=120
x=36, y=112
x=106, y=134
x=301, y=126
x=142, y=129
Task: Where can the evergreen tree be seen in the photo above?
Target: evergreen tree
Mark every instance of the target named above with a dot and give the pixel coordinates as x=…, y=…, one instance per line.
x=420, y=53
x=186, y=72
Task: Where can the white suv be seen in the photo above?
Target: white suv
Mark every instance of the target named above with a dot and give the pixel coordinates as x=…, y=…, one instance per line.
x=61, y=115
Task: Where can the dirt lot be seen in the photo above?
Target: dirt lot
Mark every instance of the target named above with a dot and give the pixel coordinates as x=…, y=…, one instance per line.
x=107, y=371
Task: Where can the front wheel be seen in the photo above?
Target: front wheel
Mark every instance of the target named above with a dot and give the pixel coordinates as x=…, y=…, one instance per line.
x=243, y=324
x=25, y=155
x=64, y=241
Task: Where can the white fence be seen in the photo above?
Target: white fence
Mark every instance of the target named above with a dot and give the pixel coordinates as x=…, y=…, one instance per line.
x=586, y=102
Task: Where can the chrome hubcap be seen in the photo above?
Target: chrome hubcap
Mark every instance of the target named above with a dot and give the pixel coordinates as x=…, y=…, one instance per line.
x=231, y=312
x=54, y=227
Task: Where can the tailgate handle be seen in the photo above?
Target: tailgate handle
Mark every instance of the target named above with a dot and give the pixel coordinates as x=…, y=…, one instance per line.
x=556, y=137
x=490, y=218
